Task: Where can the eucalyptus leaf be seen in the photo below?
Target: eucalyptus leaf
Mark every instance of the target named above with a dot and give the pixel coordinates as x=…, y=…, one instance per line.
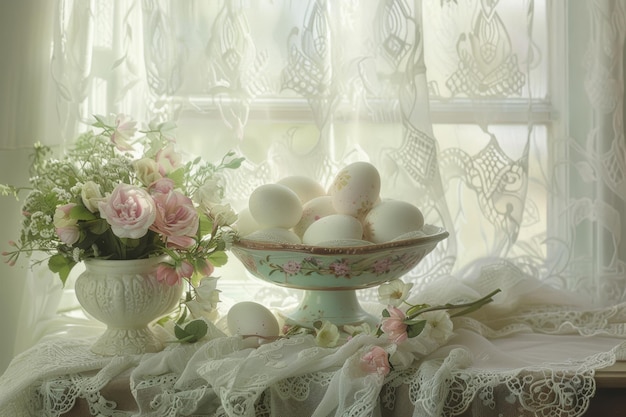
x=192, y=332
x=416, y=329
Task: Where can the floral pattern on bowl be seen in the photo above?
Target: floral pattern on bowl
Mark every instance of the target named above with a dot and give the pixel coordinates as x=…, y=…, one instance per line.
x=335, y=268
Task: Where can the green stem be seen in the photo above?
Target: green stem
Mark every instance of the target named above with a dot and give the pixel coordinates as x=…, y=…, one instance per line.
x=469, y=307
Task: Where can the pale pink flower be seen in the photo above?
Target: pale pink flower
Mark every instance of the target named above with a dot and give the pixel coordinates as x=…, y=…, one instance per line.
x=130, y=211
x=125, y=128
x=167, y=159
x=167, y=273
x=376, y=361
x=205, y=267
x=184, y=269
x=292, y=267
x=176, y=218
x=65, y=227
x=394, y=326
x=340, y=269
x=162, y=186
x=68, y=235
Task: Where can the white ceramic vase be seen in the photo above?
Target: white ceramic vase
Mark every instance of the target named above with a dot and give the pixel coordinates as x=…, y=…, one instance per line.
x=126, y=296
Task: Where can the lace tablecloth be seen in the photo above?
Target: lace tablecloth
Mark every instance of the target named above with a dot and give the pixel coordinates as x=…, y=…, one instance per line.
x=532, y=352
x=519, y=374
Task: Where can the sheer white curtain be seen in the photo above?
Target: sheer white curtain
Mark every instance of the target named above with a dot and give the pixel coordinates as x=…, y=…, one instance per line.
x=25, y=117
x=501, y=120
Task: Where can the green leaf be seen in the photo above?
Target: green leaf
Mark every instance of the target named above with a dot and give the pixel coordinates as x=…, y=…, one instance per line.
x=193, y=331
x=206, y=224
x=178, y=176
x=386, y=313
x=218, y=258
x=234, y=163
x=416, y=329
x=61, y=265
x=98, y=226
x=80, y=212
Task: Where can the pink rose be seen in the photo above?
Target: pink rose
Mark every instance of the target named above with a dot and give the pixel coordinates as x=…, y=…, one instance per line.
x=376, y=361
x=168, y=160
x=394, y=326
x=130, y=211
x=176, y=218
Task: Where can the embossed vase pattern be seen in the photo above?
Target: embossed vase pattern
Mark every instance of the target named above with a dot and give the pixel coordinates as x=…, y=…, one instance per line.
x=126, y=296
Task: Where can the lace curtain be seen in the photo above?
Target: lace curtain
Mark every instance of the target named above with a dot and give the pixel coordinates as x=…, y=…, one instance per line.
x=501, y=120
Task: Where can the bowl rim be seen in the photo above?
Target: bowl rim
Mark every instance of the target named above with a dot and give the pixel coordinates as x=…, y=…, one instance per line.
x=438, y=234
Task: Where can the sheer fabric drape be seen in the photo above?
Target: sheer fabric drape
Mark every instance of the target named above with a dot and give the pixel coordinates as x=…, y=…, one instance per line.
x=502, y=121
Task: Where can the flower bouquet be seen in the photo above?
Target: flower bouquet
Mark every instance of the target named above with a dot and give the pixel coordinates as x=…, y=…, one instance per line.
x=121, y=193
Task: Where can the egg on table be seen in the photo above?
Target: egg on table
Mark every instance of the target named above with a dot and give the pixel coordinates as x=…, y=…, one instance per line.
x=248, y=318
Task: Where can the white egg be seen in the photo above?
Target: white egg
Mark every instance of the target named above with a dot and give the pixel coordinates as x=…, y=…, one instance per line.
x=411, y=235
x=275, y=205
x=344, y=243
x=248, y=318
x=333, y=227
x=312, y=211
x=274, y=235
x=355, y=189
x=305, y=187
x=245, y=223
x=391, y=218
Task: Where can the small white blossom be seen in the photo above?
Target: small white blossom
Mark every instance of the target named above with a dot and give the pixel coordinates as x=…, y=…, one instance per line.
x=327, y=335
x=363, y=328
x=209, y=194
x=394, y=293
x=438, y=326
x=223, y=214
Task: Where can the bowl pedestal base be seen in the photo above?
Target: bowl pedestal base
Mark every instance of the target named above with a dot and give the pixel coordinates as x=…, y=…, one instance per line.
x=337, y=306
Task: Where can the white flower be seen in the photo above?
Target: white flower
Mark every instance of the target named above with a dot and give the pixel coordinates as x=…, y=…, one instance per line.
x=327, y=335
x=207, y=291
x=209, y=194
x=438, y=326
x=363, y=328
x=223, y=214
x=163, y=130
x=394, y=293
x=91, y=195
x=147, y=170
x=207, y=297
